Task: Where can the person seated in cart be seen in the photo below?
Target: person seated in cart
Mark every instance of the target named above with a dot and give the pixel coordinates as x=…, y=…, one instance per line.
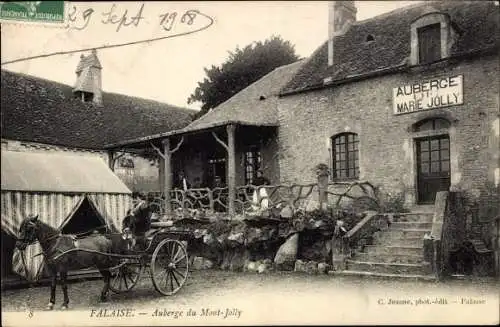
x=138, y=222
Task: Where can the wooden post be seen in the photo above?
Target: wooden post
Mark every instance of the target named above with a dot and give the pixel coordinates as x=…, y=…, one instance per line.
x=167, y=171
x=111, y=160
x=161, y=173
x=322, y=175
x=231, y=168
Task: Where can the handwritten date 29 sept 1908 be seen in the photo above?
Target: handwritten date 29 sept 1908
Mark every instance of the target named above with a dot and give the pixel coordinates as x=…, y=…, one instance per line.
x=122, y=18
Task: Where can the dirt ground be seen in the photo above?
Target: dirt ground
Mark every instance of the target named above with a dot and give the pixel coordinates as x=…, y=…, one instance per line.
x=221, y=298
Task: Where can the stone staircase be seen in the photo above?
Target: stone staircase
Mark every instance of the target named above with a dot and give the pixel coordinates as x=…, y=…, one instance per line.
x=396, y=252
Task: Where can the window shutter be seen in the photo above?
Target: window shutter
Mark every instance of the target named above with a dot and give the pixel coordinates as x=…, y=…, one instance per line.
x=429, y=43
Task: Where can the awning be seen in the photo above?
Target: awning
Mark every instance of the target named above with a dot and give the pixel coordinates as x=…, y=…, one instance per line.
x=61, y=173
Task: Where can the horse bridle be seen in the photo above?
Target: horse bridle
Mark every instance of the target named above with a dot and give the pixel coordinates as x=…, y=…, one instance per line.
x=32, y=231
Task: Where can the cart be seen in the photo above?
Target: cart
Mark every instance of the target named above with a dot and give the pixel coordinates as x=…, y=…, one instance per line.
x=165, y=256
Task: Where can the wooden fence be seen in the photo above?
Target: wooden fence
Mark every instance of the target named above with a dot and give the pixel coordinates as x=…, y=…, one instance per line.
x=257, y=200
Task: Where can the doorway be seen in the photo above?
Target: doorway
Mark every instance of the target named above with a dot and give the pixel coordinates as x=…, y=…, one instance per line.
x=85, y=220
x=217, y=172
x=8, y=243
x=433, y=167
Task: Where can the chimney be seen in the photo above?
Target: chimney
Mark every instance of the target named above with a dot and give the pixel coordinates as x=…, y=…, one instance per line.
x=88, y=84
x=341, y=14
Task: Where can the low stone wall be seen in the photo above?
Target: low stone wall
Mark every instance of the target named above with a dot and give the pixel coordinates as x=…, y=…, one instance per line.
x=252, y=244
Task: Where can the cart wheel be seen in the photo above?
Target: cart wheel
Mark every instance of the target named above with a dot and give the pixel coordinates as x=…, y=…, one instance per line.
x=169, y=266
x=126, y=276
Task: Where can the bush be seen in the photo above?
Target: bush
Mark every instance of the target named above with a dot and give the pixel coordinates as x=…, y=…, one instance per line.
x=393, y=203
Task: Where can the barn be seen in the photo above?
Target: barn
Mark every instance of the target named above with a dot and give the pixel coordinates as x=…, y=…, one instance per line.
x=74, y=193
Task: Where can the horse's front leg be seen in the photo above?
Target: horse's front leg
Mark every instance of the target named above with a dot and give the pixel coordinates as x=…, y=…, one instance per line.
x=53, y=284
x=64, y=277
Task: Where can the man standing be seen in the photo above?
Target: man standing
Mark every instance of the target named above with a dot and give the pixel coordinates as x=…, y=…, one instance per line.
x=182, y=182
x=260, y=179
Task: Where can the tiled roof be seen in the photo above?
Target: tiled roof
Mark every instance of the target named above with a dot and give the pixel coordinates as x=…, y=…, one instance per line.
x=478, y=24
x=254, y=105
x=39, y=110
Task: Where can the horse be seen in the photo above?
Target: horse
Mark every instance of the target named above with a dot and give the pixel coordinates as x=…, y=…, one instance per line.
x=54, y=245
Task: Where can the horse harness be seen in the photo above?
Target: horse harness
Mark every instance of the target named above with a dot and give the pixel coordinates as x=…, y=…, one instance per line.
x=54, y=250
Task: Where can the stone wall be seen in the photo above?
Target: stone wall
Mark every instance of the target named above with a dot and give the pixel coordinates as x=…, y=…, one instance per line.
x=386, y=141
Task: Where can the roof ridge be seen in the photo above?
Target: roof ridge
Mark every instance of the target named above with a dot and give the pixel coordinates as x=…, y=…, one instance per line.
x=356, y=57
x=246, y=87
x=420, y=3
x=104, y=92
x=286, y=65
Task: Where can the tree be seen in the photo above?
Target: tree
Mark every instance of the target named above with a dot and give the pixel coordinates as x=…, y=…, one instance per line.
x=242, y=68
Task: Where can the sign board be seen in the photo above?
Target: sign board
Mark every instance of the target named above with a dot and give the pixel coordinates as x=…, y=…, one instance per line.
x=429, y=94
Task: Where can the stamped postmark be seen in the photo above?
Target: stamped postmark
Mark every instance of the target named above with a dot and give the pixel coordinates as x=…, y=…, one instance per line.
x=38, y=12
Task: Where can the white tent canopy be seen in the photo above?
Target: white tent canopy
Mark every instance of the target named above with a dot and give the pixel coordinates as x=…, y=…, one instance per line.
x=54, y=186
x=61, y=173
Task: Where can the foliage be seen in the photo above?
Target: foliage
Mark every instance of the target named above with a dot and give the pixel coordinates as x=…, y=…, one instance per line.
x=329, y=217
x=393, y=202
x=483, y=201
x=242, y=68
x=322, y=169
x=490, y=206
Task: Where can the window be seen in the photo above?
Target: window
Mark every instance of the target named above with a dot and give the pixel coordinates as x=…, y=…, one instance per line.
x=84, y=96
x=429, y=43
x=433, y=35
x=252, y=164
x=126, y=163
x=345, y=156
x=432, y=124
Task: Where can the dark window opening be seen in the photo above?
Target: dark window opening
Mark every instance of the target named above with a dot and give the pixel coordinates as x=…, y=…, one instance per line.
x=252, y=164
x=126, y=163
x=84, y=96
x=217, y=172
x=432, y=124
x=429, y=43
x=370, y=38
x=345, y=156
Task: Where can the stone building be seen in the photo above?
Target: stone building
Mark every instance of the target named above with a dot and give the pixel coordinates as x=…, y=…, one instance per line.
x=407, y=100
x=39, y=115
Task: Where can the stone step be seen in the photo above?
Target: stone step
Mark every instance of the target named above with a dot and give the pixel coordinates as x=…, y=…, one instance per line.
x=411, y=225
x=396, y=250
x=400, y=242
x=401, y=233
x=423, y=208
x=422, y=217
x=368, y=274
x=390, y=268
x=388, y=258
